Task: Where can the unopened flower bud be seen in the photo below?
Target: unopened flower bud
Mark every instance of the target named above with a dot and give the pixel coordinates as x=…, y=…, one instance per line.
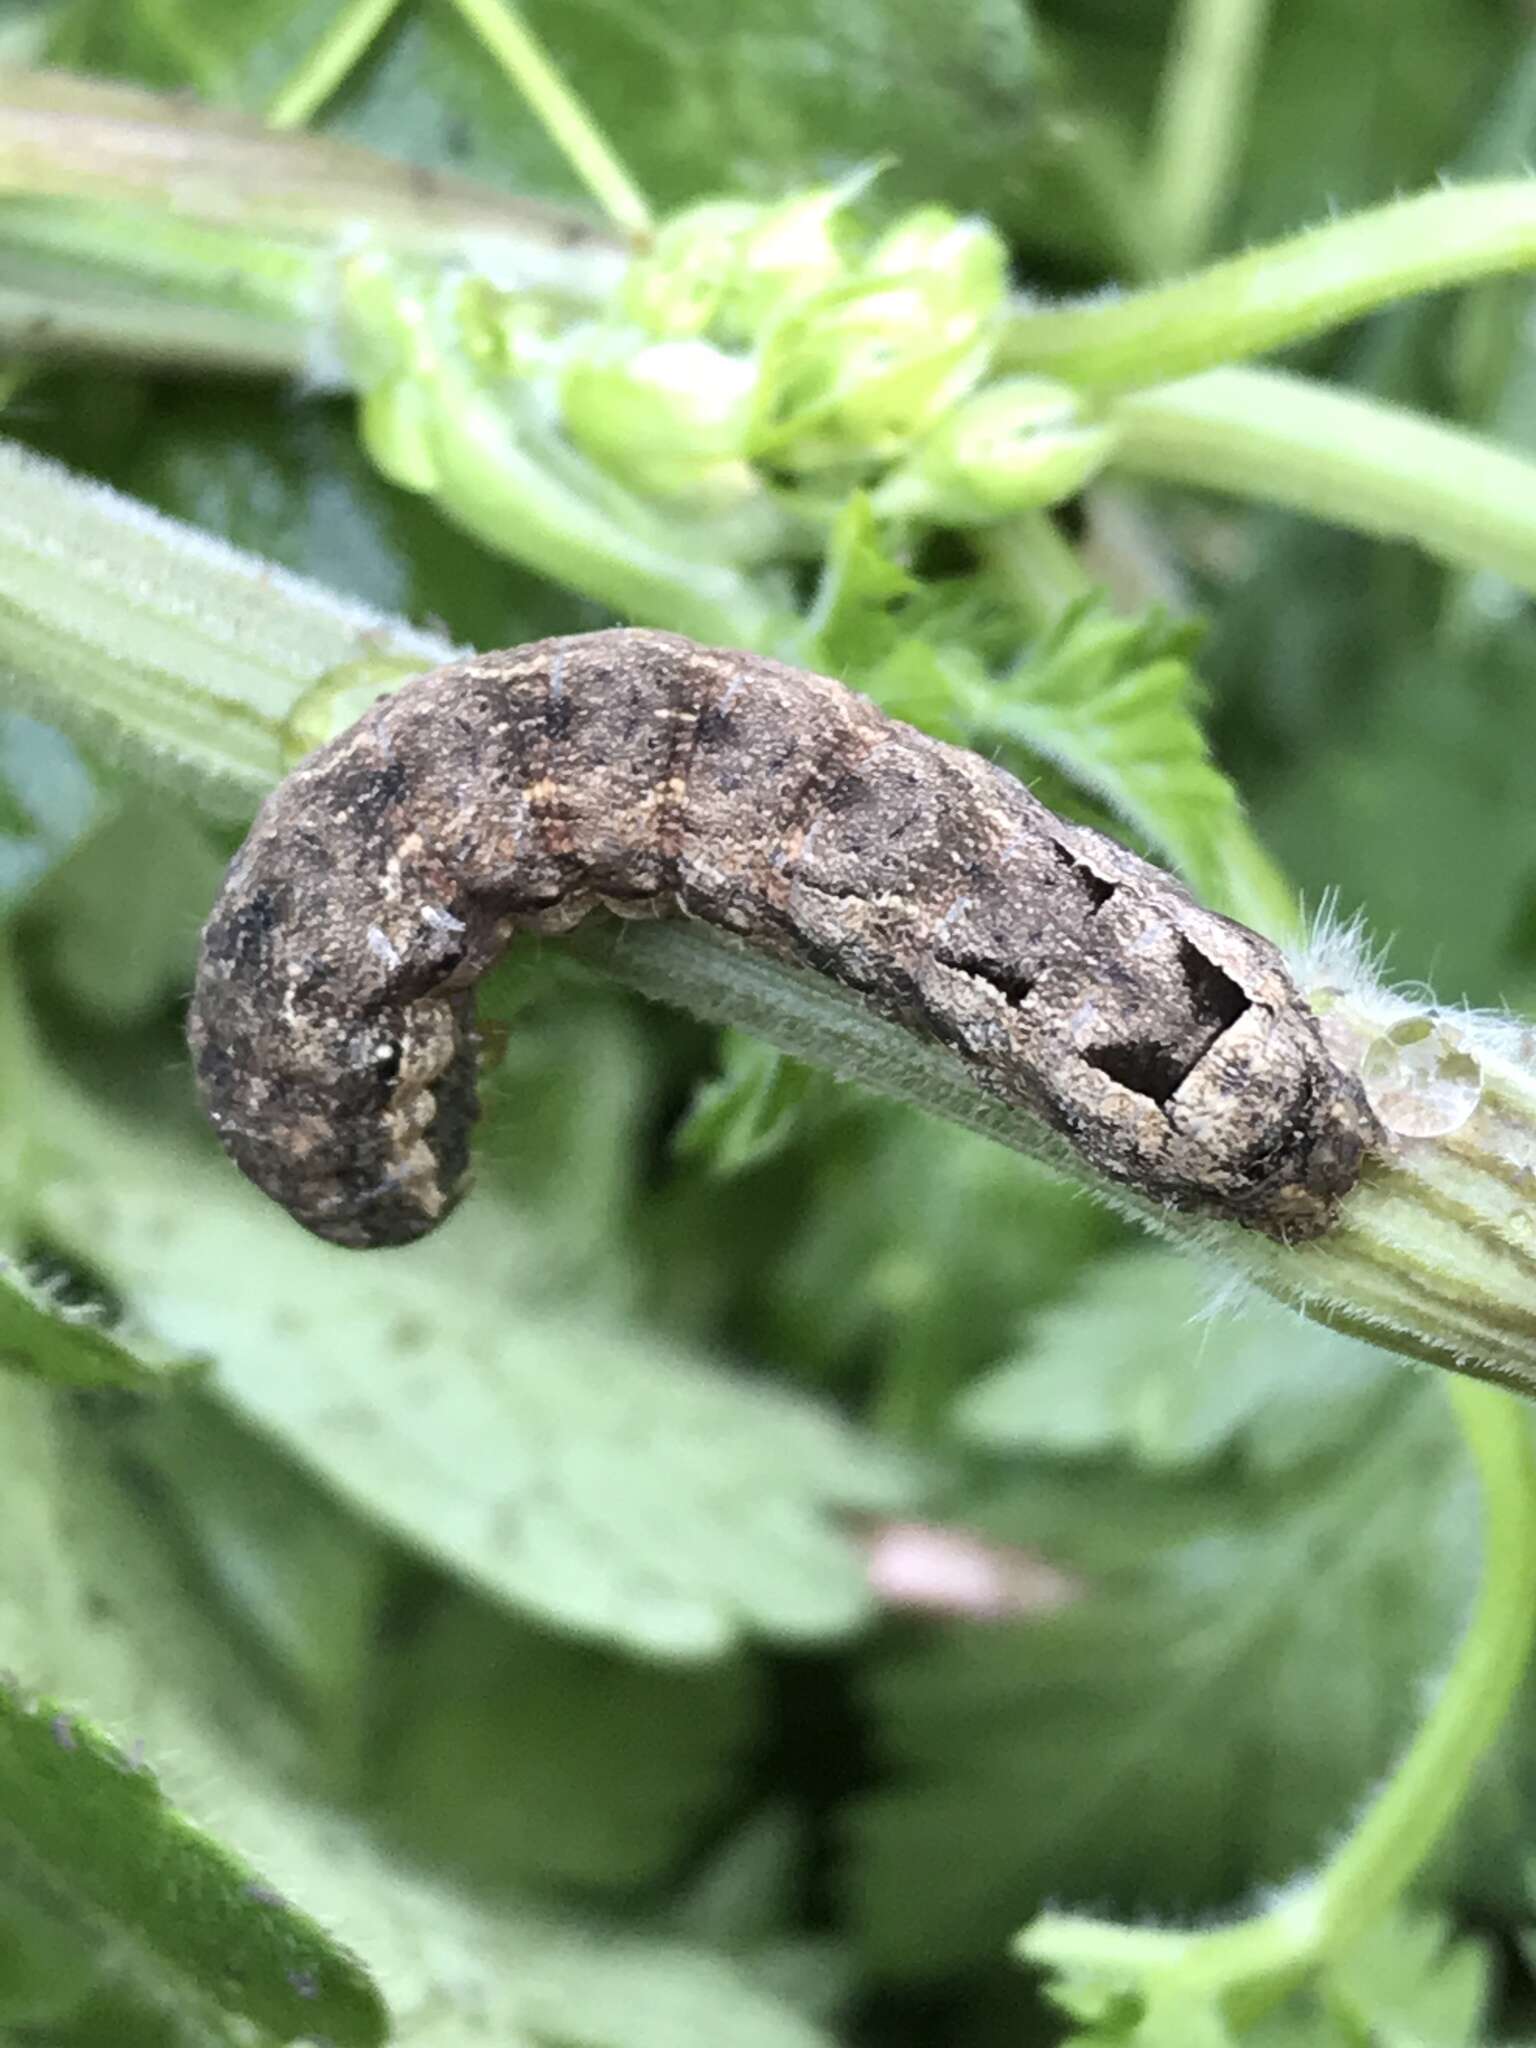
x=965, y=258
x=669, y=417
x=675, y=289
x=796, y=249
x=1016, y=446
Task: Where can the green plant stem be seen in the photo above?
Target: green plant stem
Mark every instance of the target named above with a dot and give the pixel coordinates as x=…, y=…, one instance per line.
x=153, y=229
x=17, y=1132
x=1409, y=1816
x=1341, y=457
x=509, y=40
x=1249, y=1966
x=1281, y=294
x=1206, y=92
x=79, y=279
x=1039, y=565
x=159, y=647
x=55, y=311
x=338, y=52
x=192, y=664
x=503, y=474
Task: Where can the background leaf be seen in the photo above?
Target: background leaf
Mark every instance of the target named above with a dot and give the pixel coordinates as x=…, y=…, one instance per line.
x=557, y=1457
x=1107, y=1754
x=48, y=802
x=973, y=114
x=45, y=1335
x=97, y=1622
x=1149, y=1362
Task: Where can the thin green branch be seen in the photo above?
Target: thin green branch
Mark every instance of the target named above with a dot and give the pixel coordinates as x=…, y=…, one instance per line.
x=58, y=309
x=1041, y=568
x=1341, y=457
x=132, y=282
x=1281, y=294
x=1247, y=1967
x=347, y=39
x=525, y=61
x=1203, y=106
x=1402, y=1825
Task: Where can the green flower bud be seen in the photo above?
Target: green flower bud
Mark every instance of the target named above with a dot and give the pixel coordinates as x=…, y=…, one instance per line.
x=965, y=260
x=796, y=249
x=1018, y=445
x=855, y=374
x=725, y=269
x=676, y=288
x=668, y=417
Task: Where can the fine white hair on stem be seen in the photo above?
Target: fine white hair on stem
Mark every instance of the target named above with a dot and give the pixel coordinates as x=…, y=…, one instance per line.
x=1339, y=953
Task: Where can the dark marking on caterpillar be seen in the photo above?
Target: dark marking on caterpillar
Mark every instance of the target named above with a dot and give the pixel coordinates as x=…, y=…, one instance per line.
x=333, y=1029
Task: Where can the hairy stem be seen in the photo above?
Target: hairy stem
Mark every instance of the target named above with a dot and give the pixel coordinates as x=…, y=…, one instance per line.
x=1272, y=297
x=1341, y=457
x=194, y=665
x=147, y=227
x=1249, y=1966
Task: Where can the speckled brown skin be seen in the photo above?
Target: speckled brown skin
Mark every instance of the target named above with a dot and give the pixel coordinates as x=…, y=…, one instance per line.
x=332, y=1025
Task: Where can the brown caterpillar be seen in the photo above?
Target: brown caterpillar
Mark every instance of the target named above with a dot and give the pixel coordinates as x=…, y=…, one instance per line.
x=333, y=1020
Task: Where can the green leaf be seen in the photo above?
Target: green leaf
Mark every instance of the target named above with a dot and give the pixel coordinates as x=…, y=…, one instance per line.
x=1104, y=1755
x=94, y=1612
x=1147, y=1360
x=1411, y=1981
x=565, y=1120
x=44, y=1966
x=1388, y=130
x=592, y=1771
x=290, y=1570
x=549, y=1451
x=88, y=1826
x=918, y=1247
x=48, y=1337
x=48, y=803
x=118, y=923
x=1408, y=1983
x=971, y=116
x=750, y=1110
x=1113, y=703
x=237, y=58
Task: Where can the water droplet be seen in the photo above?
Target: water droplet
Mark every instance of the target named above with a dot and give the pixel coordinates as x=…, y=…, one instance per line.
x=339, y=698
x=1420, y=1079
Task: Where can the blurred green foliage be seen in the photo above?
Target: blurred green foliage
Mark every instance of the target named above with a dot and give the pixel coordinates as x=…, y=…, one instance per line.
x=504, y=1601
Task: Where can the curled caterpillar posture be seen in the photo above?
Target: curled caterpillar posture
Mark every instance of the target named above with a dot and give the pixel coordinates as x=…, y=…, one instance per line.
x=333, y=1020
